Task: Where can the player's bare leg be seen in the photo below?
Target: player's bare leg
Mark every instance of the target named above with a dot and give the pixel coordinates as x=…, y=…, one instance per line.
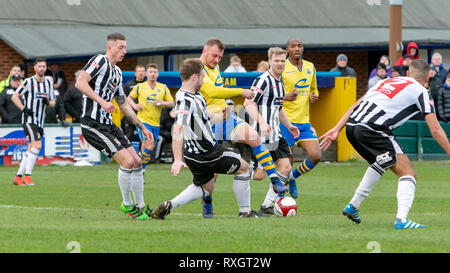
x=405, y=192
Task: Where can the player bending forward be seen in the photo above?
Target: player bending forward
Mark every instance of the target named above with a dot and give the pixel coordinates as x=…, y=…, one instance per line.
x=370, y=122
x=201, y=153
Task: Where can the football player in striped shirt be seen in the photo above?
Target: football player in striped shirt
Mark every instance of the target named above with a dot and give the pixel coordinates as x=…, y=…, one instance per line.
x=299, y=78
x=100, y=81
x=152, y=97
x=369, y=123
x=37, y=93
x=267, y=111
x=233, y=129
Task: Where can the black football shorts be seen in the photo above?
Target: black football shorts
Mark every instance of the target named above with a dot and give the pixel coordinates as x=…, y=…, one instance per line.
x=218, y=160
x=33, y=132
x=374, y=146
x=107, y=138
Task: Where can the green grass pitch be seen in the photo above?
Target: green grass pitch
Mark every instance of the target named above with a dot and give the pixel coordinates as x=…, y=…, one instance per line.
x=81, y=204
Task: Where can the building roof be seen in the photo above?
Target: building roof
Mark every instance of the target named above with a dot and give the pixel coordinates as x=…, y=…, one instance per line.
x=69, y=28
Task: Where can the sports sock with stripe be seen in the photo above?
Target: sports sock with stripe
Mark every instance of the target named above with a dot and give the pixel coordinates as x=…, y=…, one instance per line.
x=370, y=178
x=302, y=168
x=265, y=159
x=124, y=178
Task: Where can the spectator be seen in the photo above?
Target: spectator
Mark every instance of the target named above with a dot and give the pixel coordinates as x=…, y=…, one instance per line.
x=406, y=61
x=396, y=71
x=443, y=103
x=263, y=66
x=436, y=62
x=56, y=114
x=387, y=62
x=341, y=66
x=72, y=102
x=139, y=77
x=165, y=132
x=434, y=83
x=235, y=65
x=59, y=79
x=15, y=70
x=412, y=50
x=380, y=75
x=9, y=113
x=22, y=71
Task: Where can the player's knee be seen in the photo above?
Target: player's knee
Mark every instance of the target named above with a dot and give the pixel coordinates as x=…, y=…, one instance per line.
x=315, y=156
x=36, y=145
x=259, y=174
x=245, y=168
x=137, y=163
x=253, y=139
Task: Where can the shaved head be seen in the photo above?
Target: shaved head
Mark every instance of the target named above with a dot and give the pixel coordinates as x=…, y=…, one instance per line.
x=293, y=39
x=419, y=69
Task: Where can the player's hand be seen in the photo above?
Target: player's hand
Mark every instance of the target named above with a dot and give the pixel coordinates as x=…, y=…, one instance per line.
x=328, y=138
x=138, y=107
x=27, y=111
x=265, y=129
x=149, y=141
x=314, y=98
x=294, y=131
x=247, y=94
x=108, y=106
x=158, y=102
x=226, y=112
x=45, y=101
x=291, y=96
x=176, y=167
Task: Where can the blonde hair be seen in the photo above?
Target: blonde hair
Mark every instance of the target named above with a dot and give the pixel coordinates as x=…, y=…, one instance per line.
x=276, y=51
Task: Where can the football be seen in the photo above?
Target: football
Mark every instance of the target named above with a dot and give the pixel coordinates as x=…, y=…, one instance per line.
x=285, y=207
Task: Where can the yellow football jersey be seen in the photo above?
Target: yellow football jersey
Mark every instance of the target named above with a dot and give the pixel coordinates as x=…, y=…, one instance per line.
x=146, y=97
x=214, y=92
x=302, y=80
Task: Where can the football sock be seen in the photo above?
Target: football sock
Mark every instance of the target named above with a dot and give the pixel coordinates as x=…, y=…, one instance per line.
x=265, y=159
x=370, y=178
x=271, y=195
x=302, y=168
x=137, y=187
x=125, y=186
x=405, y=196
x=31, y=160
x=145, y=156
x=191, y=193
x=23, y=164
x=241, y=188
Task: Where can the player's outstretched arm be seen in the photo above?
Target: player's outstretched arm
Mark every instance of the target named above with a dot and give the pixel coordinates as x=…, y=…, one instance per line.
x=285, y=121
x=437, y=132
x=177, y=149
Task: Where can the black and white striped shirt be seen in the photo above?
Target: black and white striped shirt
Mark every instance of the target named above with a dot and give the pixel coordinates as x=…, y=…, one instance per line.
x=269, y=95
x=106, y=81
x=33, y=93
x=191, y=112
x=392, y=102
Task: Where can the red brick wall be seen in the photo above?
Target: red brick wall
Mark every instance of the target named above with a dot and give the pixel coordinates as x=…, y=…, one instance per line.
x=323, y=61
x=8, y=58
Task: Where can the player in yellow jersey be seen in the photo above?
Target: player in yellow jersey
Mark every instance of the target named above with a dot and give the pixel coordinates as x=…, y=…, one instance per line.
x=301, y=89
x=233, y=129
x=152, y=97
